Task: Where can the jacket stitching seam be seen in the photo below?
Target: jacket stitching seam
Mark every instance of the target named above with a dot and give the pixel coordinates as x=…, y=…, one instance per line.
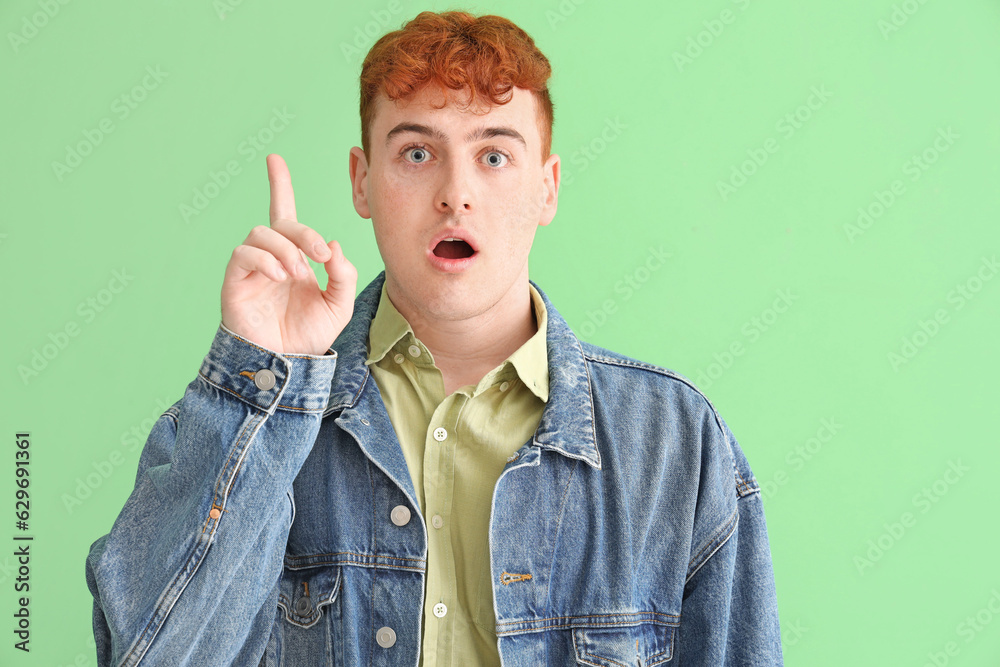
x=372, y=615
x=722, y=536
x=590, y=395
x=216, y=501
x=562, y=618
x=747, y=489
x=247, y=399
x=562, y=509
x=504, y=633
x=583, y=654
x=351, y=553
x=139, y=647
x=373, y=566
x=229, y=391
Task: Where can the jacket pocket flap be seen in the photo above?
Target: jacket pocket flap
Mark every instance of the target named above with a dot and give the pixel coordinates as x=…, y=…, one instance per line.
x=303, y=593
x=643, y=645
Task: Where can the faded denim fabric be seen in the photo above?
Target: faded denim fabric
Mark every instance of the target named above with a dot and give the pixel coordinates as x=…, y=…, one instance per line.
x=261, y=531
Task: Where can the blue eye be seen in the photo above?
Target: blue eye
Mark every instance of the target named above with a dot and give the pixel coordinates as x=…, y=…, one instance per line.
x=417, y=153
x=496, y=159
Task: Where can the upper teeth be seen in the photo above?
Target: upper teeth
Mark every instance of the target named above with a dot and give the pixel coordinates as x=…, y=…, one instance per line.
x=452, y=239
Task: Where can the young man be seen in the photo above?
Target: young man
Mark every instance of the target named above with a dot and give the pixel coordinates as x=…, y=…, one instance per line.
x=438, y=472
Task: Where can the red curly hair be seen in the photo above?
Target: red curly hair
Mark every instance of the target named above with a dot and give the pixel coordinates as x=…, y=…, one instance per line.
x=489, y=55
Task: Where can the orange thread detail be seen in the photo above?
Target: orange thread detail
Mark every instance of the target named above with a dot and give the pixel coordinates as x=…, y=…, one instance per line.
x=249, y=374
x=508, y=578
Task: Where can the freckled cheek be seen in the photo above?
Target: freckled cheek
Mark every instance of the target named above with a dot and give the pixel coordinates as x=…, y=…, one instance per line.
x=519, y=215
x=393, y=196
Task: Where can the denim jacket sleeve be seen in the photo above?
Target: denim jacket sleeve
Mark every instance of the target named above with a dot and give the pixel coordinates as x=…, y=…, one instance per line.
x=729, y=613
x=188, y=574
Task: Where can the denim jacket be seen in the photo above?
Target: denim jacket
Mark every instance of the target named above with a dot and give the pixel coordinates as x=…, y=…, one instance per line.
x=273, y=522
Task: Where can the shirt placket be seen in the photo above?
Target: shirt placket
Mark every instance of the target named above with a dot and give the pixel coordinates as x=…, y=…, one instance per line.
x=439, y=485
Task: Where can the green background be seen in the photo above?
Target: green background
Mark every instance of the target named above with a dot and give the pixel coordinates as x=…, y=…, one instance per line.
x=844, y=437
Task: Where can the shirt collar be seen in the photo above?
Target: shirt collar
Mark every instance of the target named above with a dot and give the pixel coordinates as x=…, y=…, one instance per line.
x=530, y=361
x=567, y=425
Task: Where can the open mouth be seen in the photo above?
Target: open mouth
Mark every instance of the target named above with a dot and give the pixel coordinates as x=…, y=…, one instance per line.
x=453, y=249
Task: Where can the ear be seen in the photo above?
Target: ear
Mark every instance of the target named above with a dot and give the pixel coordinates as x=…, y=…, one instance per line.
x=358, y=167
x=550, y=189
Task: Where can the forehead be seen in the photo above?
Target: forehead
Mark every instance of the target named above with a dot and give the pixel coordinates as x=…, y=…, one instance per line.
x=519, y=112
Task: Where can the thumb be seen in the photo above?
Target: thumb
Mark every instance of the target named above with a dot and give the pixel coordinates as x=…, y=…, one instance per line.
x=342, y=282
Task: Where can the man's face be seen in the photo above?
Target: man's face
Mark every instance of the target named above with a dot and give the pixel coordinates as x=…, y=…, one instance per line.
x=448, y=179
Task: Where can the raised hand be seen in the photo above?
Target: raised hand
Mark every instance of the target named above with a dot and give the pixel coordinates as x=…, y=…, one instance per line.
x=270, y=295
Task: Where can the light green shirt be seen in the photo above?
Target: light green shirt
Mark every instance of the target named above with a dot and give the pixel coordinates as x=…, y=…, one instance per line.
x=456, y=448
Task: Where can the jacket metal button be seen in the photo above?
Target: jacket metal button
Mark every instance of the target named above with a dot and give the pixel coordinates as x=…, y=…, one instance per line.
x=400, y=515
x=440, y=609
x=264, y=379
x=304, y=606
x=385, y=637
x=440, y=434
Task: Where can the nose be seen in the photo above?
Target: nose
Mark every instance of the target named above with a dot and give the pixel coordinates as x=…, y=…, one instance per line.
x=454, y=193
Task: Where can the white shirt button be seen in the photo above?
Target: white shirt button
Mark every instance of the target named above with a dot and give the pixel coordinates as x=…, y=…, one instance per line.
x=504, y=386
x=400, y=515
x=264, y=379
x=398, y=358
x=385, y=637
x=414, y=350
x=440, y=434
x=440, y=609
x=437, y=521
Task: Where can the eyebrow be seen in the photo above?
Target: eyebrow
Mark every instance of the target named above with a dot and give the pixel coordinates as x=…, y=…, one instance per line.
x=434, y=133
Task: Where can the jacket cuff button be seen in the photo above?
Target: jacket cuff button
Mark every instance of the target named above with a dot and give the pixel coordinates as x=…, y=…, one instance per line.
x=264, y=379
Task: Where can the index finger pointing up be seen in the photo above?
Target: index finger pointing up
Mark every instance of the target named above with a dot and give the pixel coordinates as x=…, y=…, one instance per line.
x=282, y=197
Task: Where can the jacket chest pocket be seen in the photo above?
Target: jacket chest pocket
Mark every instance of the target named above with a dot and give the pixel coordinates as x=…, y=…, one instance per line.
x=307, y=630
x=643, y=645
x=304, y=593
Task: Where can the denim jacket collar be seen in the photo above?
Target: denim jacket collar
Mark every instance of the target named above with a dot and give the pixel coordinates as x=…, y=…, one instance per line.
x=567, y=423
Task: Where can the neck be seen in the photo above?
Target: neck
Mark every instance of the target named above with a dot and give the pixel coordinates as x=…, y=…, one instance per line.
x=467, y=349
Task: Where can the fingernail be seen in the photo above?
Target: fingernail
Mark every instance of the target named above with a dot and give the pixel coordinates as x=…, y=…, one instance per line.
x=319, y=249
